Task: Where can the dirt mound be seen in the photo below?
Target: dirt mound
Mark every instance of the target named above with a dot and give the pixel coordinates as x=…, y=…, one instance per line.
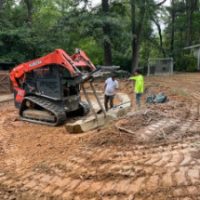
x=149, y=127
x=134, y=121
x=172, y=109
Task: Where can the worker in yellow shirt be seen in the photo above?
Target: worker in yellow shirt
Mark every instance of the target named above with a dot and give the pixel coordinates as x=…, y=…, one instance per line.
x=139, y=86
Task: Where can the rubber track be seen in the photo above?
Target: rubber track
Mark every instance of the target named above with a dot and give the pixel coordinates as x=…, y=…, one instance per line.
x=57, y=110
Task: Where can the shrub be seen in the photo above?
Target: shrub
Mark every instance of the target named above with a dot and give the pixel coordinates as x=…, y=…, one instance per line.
x=186, y=63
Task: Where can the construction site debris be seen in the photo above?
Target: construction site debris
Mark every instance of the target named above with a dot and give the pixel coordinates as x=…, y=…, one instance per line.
x=90, y=123
x=159, y=98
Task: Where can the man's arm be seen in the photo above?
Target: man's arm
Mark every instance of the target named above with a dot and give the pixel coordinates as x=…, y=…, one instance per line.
x=105, y=86
x=132, y=78
x=117, y=85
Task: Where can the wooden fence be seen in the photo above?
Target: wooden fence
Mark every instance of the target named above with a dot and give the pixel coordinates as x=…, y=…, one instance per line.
x=4, y=82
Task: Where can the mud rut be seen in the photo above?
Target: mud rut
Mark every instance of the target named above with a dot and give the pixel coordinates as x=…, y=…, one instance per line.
x=158, y=159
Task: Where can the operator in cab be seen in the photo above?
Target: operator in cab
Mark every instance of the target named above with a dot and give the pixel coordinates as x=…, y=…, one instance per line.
x=110, y=87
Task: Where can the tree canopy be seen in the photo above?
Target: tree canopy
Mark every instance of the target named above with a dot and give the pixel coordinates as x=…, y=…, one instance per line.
x=118, y=32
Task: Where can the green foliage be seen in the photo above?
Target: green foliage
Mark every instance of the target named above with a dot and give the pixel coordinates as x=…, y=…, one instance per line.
x=187, y=63
x=94, y=51
x=63, y=24
x=69, y=24
x=123, y=60
x=181, y=25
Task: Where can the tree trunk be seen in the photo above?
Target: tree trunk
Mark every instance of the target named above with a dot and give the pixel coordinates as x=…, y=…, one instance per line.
x=173, y=14
x=189, y=22
x=135, y=54
x=29, y=5
x=136, y=32
x=106, y=32
x=191, y=6
x=1, y=5
x=160, y=3
x=160, y=36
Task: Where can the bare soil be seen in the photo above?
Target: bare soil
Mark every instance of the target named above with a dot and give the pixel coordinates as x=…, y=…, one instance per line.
x=150, y=154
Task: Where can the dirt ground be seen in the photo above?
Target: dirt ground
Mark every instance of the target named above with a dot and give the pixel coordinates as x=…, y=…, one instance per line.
x=150, y=154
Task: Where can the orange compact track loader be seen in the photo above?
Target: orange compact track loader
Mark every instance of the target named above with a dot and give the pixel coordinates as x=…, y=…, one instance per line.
x=47, y=89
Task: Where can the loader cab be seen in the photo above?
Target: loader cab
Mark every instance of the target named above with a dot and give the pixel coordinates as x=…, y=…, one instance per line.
x=44, y=81
x=52, y=81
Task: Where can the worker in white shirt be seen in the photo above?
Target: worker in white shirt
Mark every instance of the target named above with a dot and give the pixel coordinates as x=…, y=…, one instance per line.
x=110, y=87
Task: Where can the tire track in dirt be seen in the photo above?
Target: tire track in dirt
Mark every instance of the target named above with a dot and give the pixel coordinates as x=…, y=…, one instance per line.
x=5, y=137
x=58, y=184
x=162, y=170
x=8, y=131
